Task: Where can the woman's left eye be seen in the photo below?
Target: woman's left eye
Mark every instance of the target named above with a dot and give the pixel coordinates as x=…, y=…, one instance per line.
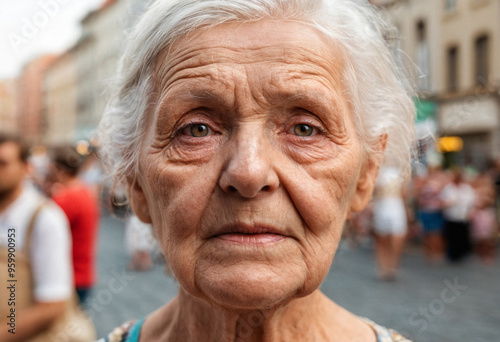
x=304, y=130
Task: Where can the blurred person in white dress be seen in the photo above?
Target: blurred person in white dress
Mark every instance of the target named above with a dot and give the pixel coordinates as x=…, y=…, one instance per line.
x=390, y=222
x=140, y=244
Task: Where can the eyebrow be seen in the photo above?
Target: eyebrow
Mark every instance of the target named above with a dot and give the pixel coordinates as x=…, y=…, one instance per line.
x=189, y=95
x=313, y=98
x=280, y=98
x=329, y=103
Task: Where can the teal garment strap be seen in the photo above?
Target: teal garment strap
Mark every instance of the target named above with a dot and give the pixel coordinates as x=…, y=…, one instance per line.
x=135, y=331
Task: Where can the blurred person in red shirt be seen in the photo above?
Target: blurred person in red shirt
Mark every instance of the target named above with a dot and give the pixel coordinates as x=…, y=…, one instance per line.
x=80, y=206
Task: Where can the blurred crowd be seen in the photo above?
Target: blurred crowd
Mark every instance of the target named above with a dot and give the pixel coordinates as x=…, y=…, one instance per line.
x=50, y=208
x=139, y=242
x=453, y=214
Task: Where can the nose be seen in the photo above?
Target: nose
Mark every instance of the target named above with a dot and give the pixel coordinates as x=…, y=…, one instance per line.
x=249, y=169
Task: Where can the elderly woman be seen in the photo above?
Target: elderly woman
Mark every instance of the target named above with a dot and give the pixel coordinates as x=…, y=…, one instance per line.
x=246, y=132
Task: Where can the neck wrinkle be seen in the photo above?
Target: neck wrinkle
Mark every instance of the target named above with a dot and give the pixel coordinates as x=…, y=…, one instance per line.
x=196, y=320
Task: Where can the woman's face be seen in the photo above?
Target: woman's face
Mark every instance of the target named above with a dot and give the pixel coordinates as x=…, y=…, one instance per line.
x=251, y=163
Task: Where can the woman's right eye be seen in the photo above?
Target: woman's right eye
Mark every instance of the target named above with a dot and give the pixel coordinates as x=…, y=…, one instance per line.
x=197, y=130
x=303, y=130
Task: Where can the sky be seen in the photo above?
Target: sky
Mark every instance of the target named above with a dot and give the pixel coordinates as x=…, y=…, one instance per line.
x=31, y=28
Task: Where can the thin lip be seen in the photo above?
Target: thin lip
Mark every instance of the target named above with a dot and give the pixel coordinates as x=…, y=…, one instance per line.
x=242, y=228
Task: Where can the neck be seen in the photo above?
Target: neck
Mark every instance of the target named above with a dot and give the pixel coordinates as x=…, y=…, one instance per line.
x=8, y=197
x=193, y=319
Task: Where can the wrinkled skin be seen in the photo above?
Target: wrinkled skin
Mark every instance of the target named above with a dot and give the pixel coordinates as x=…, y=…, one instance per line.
x=252, y=133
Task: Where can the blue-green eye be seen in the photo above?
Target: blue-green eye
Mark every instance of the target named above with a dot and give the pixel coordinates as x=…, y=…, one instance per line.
x=303, y=130
x=199, y=130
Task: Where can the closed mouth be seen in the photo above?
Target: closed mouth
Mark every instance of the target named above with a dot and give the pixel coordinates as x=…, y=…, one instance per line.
x=244, y=229
x=249, y=234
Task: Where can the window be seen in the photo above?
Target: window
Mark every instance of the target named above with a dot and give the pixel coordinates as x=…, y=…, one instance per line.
x=450, y=5
x=421, y=34
x=481, y=52
x=452, y=57
x=422, y=58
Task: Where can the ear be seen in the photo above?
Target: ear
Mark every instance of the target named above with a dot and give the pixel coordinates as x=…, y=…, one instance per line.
x=368, y=176
x=137, y=199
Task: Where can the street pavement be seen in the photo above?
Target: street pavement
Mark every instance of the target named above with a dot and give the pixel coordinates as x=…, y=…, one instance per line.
x=446, y=303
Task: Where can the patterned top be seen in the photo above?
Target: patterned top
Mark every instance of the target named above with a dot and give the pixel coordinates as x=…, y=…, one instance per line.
x=129, y=332
x=384, y=334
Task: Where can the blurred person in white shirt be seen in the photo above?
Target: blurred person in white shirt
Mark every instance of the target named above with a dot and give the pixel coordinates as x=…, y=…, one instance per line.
x=458, y=200
x=47, y=265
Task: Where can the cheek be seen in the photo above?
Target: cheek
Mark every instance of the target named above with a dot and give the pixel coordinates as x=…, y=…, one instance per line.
x=175, y=192
x=323, y=194
x=322, y=198
x=178, y=196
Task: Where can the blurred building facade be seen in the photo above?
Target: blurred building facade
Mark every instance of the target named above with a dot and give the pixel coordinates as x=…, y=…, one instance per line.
x=470, y=78
x=454, y=44
x=8, y=105
x=60, y=87
x=97, y=55
x=31, y=122
x=74, y=84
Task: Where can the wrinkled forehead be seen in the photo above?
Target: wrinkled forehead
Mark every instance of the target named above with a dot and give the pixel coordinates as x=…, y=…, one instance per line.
x=266, y=41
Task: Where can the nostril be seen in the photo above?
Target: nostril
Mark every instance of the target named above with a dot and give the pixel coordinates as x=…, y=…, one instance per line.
x=232, y=189
x=265, y=188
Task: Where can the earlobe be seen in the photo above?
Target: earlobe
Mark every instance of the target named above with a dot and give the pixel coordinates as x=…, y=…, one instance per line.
x=137, y=199
x=368, y=176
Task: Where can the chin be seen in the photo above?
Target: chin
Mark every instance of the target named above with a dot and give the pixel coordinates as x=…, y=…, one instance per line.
x=250, y=286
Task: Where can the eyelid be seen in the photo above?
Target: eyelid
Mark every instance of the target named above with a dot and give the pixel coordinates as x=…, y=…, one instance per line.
x=316, y=124
x=195, y=117
x=189, y=118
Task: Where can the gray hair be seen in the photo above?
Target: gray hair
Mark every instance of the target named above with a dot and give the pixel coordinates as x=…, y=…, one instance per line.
x=376, y=87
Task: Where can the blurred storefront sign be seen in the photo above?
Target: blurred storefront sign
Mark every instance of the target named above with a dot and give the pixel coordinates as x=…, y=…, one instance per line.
x=475, y=121
x=468, y=115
